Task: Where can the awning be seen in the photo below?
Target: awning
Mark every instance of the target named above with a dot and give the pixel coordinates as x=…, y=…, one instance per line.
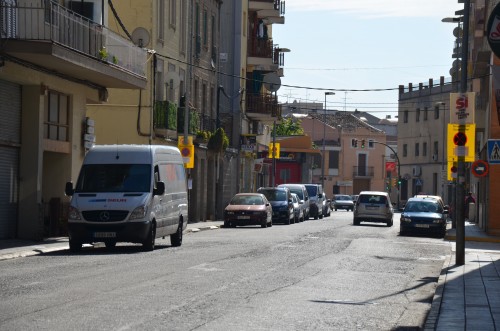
x=300, y=150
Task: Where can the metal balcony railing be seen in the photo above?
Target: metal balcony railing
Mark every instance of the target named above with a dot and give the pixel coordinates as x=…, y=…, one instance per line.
x=260, y=47
x=49, y=21
x=362, y=171
x=262, y=104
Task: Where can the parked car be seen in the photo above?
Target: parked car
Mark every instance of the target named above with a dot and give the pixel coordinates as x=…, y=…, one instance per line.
x=354, y=197
x=317, y=204
x=423, y=214
x=435, y=197
x=301, y=192
x=248, y=209
x=297, y=208
x=343, y=201
x=373, y=206
x=281, y=202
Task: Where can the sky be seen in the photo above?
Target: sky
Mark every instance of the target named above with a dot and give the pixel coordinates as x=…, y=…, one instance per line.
x=374, y=45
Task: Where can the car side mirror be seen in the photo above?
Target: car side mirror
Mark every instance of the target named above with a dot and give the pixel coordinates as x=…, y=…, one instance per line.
x=69, y=190
x=160, y=188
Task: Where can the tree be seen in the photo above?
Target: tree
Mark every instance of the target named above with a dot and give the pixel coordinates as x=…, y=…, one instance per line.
x=289, y=127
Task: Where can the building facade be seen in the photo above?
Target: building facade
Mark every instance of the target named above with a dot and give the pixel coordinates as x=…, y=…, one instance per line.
x=54, y=60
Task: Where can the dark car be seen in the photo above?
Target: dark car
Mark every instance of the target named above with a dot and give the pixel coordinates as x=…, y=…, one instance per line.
x=423, y=215
x=248, y=209
x=282, y=203
x=343, y=201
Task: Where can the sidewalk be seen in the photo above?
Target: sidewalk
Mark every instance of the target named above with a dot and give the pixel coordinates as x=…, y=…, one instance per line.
x=467, y=297
x=14, y=248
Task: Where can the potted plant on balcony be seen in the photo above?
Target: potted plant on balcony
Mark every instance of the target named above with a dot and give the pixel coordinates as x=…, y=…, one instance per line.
x=219, y=141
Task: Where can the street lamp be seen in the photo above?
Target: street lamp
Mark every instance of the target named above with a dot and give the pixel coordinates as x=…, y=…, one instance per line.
x=324, y=136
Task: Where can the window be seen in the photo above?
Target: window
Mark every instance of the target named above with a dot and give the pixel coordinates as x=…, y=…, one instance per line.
x=205, y=28
x=370, y=144
x=436, y=148
x=417, y=115
x=170, y=87
x=405, y=116
x=424, y=149
x=183, y=32
x=417, y=149
x=436, y=112
x=405, y=150
x=56, y=121
x=333, y=160
x=173, y=14
x=161, y=20
x=426, y=111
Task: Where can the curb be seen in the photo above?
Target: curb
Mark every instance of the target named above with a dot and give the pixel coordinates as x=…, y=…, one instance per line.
x=432, y=318
x=478, y=239
x=211, y=227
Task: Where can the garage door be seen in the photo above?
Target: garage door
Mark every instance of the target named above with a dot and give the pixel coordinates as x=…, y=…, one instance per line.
x=10, y=139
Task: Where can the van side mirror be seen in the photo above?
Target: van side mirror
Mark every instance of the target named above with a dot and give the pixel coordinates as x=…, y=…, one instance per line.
x=69, y=190
x=160, y=188
x=320, y=195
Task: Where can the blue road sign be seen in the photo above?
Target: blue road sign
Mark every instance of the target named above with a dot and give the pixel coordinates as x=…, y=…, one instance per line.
x=493, y=151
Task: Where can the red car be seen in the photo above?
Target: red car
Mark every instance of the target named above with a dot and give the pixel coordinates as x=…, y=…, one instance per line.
x=248, y=209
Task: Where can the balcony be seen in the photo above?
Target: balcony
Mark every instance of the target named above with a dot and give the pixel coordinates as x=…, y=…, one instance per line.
x=272, y=11
x=52, y=37
x=264, y=55
x=364, y=172
x=262, y=107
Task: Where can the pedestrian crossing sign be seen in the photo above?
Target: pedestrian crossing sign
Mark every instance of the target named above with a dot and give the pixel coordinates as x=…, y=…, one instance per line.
x=493, y=151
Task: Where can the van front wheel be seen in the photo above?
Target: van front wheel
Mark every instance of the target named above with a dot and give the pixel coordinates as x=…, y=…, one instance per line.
x=176, y=238
x=149, y=244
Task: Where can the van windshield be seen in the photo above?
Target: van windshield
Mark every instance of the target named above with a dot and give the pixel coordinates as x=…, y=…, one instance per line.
x=114, y=178
x=312, y=190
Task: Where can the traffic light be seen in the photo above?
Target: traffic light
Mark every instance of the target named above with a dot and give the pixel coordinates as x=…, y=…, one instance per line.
x=399, y=181
x=362, y=143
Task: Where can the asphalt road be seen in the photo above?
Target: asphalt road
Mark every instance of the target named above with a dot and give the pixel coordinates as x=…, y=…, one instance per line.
x=317, y=275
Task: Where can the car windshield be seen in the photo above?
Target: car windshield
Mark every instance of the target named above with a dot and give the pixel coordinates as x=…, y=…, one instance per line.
x=274, y=195
x=246, y=200
x=298, y=191
x=423, y=207
x=114, y=178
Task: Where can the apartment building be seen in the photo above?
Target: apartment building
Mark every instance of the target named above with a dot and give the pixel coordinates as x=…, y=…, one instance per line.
x=55, y=58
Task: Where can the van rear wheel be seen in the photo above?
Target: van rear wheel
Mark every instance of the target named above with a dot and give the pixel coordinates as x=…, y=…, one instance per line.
x=176, y=238
x=149, y=244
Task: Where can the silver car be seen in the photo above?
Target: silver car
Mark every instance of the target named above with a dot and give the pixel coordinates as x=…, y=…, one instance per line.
x=373, y=206
x=298, y=208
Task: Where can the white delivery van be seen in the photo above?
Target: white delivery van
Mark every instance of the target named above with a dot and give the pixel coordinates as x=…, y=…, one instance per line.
x=128, y=193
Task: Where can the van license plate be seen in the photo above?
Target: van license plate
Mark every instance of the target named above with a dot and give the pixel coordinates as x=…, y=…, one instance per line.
x=104, y=234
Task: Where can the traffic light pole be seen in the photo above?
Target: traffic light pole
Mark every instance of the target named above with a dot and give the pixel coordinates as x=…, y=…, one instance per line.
x=399, y=168
x=460, y=194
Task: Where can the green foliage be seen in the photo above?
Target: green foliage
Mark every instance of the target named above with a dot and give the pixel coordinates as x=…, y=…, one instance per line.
x=219, y=141
x=165, y=115
x=203, y=135
x=194, y=121
x=289, y=127
x=103, y=54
